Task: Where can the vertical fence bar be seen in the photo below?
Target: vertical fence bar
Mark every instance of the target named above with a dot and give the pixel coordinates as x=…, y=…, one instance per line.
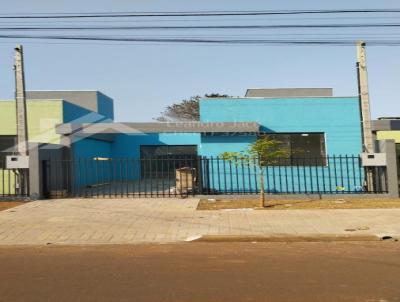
x=280, y=175
x=341, y=173
x=255, y=174
x=199, y=175
x=292, y=175
x=317, y=175
x=323, y=163
x=335, y=172
x=249, y=177
x=218, y=175
x=298, y=175
x=354, y=172
x=243, y=176
x=286, y=177
x=348, y=174
x=311, y=175
x=273, y=167
x=329, y=175
x=267, y=176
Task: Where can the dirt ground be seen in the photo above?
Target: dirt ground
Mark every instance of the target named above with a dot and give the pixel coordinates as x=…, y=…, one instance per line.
x=199, y=272
x=299, y=204
x=4, y=205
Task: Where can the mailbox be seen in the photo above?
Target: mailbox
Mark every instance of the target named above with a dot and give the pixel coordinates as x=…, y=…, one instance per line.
x=373, y=159
x=17, y=162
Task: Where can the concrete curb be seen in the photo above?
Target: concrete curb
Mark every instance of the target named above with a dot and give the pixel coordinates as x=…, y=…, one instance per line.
x=287, y=238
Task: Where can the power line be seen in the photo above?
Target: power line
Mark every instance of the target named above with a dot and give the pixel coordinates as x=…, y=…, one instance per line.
x=277, y=26
x=194, y=14
x=376, y=42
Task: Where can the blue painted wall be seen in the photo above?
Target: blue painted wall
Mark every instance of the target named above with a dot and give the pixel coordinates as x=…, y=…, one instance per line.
x=105, y=106
x=77, y=114
x=126, y=145
x=338, y=118
x=87, y=170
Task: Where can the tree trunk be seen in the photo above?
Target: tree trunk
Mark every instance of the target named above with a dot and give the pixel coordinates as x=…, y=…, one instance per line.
x=262, y=192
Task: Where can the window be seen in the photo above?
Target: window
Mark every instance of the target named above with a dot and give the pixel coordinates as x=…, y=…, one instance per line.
x=7, y=146
x=305, y=149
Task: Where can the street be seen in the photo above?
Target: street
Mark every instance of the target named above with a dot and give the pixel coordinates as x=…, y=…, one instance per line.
x=192, y=272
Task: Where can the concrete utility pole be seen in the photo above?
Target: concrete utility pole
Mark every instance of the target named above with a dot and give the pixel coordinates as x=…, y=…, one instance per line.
x=368, y=140
x=22, y=185
x=20, y=98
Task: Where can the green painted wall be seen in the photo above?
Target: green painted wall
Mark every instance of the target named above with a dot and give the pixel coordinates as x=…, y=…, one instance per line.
x=43, y=116
x=7, y=183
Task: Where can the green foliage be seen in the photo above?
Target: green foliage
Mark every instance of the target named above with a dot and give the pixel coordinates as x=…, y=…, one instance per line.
x=264, y=151
x=185, y=110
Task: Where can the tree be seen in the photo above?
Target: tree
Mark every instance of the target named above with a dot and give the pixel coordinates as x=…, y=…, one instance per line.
x=263, y=152
x=185, y=110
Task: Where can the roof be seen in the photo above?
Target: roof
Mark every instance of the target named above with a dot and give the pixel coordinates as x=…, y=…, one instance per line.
x=289, y=92
x=183, y=127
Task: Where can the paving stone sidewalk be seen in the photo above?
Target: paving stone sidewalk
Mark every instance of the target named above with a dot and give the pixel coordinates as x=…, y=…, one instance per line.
x=132, y=221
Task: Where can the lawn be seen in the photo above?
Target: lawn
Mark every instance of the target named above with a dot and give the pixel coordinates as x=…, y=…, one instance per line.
x=300, y=204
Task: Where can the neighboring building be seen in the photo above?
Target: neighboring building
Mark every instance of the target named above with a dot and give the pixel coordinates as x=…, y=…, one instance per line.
x=46, y=109
x=389, y=128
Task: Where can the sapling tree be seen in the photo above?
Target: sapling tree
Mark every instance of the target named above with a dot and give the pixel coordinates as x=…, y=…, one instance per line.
x=265, y=151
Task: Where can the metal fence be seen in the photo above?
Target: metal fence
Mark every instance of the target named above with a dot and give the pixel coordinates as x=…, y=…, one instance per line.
x=12, y=183
x=165, y=177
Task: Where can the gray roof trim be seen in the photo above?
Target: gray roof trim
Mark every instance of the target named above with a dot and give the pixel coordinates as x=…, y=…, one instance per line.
x=385, y=125
x=184, y=127
x=289, y=92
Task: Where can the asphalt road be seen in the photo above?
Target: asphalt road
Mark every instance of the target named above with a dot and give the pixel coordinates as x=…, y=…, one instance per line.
x=231, y=272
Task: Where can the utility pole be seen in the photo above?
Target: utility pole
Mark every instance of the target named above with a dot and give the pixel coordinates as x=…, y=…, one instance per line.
x=20, y=98
x=368, y=140
x=22, y=170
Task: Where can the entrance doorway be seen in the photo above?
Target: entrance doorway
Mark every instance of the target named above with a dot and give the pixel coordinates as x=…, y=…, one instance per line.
x=161, y=161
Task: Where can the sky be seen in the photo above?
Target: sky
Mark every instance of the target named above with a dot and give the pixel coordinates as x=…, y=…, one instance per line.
x=144, y=79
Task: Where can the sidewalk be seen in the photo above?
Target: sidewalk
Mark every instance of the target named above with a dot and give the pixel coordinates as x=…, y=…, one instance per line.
x=133, y=221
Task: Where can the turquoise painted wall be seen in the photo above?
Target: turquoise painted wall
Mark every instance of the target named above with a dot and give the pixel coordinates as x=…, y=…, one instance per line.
x=338, y=118
x=214, y=145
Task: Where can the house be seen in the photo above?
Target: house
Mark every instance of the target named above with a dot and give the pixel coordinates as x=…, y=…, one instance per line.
x=326, y=128
x=115, y=157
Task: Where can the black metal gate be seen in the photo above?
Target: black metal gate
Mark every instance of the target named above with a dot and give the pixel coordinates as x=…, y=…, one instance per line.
x=103, y=177
x=185, y=176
